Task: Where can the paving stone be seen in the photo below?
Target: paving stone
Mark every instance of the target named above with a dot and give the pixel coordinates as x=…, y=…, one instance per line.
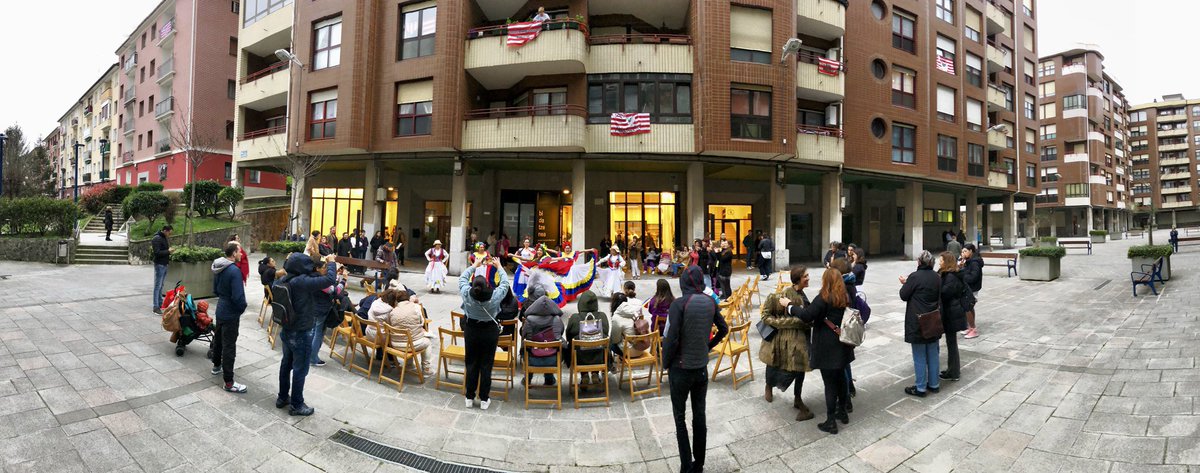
x=1117, y=424
x=101, y=451
x=1142, y=450
x=332, y=457
x=885, y=455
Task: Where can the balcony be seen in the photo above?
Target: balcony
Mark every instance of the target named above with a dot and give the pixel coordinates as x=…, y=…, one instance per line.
x=87, y=177
x=130, y=63
x=1175, y=132
x=997, y=19
x=1075, y=158
x=541, y=128
x=162, y=147
x=1121, y=204
x=825, y=19
x=664, y=138
x=1095, y=136
x=1097, y=180
x=105, y=96
x=648, y=53
x=130, y=96
x=1120, y=187
x=127, y=157
x=1073, y=69
x=270, y=22
x=560, y=48
x=87, y=134
x=87, y=110
x=105, y=175
x=998, y=179
x=1175, y=175
x=166, y=71
x=127, y=127
x=1120, y=170
x=260, y=144
x=164, y=108
x=997, y=59
x=1173, y=147
x=1095, y=92
x=1176, y=117
x=1176, y=205
x=820, y=145
x=105, y=149
x=166, y=33
x=1177, y=190
x=811, y=84
x=996, y=99
x=1174, y=161
x=997, y=140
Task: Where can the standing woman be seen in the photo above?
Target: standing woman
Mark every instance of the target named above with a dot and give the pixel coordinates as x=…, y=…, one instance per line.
x=923, y=293
x=243, y=264
x=827, y=353
x=860, y=266
x=435, y=272
x=955, y=300
x=786, y=352
x=610, y=272
x=635, y=257
x=972, y=272
x=108, y=223
x=724, y=269
x=481, y=330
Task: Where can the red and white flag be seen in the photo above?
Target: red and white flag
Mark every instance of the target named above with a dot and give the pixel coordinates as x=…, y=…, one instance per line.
x=521, y=33
x=625, y=124
x=829, y=67
x=945, y=64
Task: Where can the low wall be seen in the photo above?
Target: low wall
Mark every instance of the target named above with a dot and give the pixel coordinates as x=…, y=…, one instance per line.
x=139, y=251
x=265, y=224
x=36, y=249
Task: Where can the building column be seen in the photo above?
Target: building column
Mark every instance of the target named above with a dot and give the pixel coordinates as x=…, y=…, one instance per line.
x=1174, y=223
x=914, y=221
x=579, y=205
x=458, y=222
x=831, y=210
x=778, y=225
x=1008, y=222
x=987, y=225
x=972, y=208
x=1089, y=217
x=370, y=210
x=695, y=202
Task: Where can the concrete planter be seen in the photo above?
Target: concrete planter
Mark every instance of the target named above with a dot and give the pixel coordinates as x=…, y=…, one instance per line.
x=1099, y=238
x=1039, y=268
x=1116, y=236
x=1136, y=265
x=1039, y=244
x=196, y=277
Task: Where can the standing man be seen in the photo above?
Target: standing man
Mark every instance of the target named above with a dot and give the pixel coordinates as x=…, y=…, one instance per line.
x=685, y=354
x=725, y=269
x=108, y=223
x=342, y=248
x=304, y=286
x=161, y=250
x=748, y=246
x=766, y=250
x=231, y=303
x=376, y=242
x=333, y=238
x=399, y=245
x=1174, y=240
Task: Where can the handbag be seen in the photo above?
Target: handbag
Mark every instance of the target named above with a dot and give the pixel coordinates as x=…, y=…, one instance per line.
x=930, y=324
x=851, y=332
x=545, y=335
x=590, y=328
x=765, y=331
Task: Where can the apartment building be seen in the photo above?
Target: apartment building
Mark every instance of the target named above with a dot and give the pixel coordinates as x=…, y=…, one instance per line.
x=434, y=119
x=1084, y=145
x=84, y=138
x=52, y=141
x=1164, y=146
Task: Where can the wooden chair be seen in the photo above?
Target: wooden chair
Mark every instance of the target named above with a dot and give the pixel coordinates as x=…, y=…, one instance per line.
x=360, y=341
x=345, y=330
x=505, y=361
x=264, y=312
x=578, y=370
x=456, y=319
x=401, y=355
x=452, y=351
x=272, y=330
x=649, y=360
x=754, y=290
x=532, y=370
x=736, y=344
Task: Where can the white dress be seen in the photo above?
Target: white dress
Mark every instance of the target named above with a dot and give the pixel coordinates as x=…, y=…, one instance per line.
x=610, y=277
x=435, y=272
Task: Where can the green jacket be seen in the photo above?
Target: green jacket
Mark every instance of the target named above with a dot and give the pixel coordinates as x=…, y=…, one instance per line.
x=788, y=349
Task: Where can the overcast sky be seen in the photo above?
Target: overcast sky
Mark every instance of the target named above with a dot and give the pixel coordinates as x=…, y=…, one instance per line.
x=61, y=47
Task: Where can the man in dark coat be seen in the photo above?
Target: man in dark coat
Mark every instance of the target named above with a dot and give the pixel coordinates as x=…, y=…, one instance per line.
x=227, y=285
x=305, y=285
x=161, y=250
x=766, y=250
x=108, y=224
x=343, y=246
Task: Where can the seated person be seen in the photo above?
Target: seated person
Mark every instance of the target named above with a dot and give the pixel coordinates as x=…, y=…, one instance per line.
x=543, y=323
x=588, y=323
x=407, y=314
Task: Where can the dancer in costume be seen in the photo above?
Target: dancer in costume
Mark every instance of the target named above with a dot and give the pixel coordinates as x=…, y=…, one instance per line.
x=435, y=273
x=611, y=271
x=564, y=276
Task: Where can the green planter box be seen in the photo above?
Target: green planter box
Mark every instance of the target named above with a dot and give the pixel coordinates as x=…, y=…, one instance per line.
x=196, y=277
x=1038, y=268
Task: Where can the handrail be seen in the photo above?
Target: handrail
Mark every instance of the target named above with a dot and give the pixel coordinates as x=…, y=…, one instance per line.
x=813, y=57
x=640, y=39
x=527, y=111
x=263, y=132
x=485, y=31
x=266, y=71
x=820, y=131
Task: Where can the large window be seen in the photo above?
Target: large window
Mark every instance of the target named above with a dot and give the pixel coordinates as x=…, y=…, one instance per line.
x=973, y=25
x=1030, y=141
x=1046, y=89
x=1071, y=102
x=1049, y=153
x=904, y=92
x=946, y=105
x=1031, y=175
x=974, y=115
x=1137, y=116
x=417, y=30
x=1029, y=107
x=947, y=153
x=904, y=143
x=1049, y=132
x=1048, y=111
x=1046, y=68
x=974, y=67
x=414, y=108
x=904, y=31
x=666, y=97
x=1077, y=190
x=946, y=47
x=750, y=114
x=327, y=43
x=254, y=10
x=1048, y=195
x=945, y=10
x=322, y=123
x=1050, y=174
x=648, y=214
x=750, y=34
x=336, y=207
x=974, y=160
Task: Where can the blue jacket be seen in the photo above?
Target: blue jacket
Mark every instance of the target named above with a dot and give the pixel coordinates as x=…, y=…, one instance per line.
x=484, y=311
x=227, y=285
x=306, y=285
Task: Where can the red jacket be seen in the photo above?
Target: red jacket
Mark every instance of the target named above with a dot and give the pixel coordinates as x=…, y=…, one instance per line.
x=244, y=265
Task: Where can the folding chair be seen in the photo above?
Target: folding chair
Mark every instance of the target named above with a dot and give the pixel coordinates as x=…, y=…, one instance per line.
x=264, y=312
x=359, y=341
x=346, y=331
x=452, y=351
x=736, y=344
x=401, y=355
x=532, y=370
x=649, y=360
x=505, y=361
x=578, y=370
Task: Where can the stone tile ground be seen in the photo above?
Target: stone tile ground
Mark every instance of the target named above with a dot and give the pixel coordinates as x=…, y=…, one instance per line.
x=1072, y=375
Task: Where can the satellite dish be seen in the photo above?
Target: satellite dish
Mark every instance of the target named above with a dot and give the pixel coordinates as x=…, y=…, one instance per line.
x=791, y=47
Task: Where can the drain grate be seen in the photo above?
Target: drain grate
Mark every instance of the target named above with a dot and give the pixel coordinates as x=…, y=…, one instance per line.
x=403, y=457
x=1101, y=286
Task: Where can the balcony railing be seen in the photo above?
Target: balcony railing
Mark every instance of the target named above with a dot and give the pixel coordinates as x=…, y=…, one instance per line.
x=820, y=131
x=129, y=96
x=550, y=25
x=105, y=148
x=127, y=157
x=87, y=177
x=127, y=127
x=266, y=71
x=164, y=107
x=529, y=111
x=640, y=39
x=166, y=69
x=162, y=146
x=104, y=175
x=275, y=130
x=129, y=63
x=166, y=31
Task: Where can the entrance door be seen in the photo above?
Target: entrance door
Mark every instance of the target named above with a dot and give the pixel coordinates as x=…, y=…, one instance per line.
x=731, y=220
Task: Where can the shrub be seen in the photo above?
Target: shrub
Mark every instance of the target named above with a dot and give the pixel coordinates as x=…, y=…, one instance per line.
x=116, y=194
x=195, y=254
x=283, y=247
x=1044, y=252
x=149, y=187
x=206, y=203
x=93, y=200
x=1149, y=251
x=172, y=208
x=1098, y=233
x=147, y=205
x=1049, y=239
x=38, y=216
x=229, y=198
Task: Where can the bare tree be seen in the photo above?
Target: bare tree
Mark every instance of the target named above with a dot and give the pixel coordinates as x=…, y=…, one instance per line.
x=299, y=167
x=197, y=145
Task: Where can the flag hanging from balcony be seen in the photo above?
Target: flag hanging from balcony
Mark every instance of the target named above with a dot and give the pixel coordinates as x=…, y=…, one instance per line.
x=625, y=124
x=829, y=67
x=945, y=64
x=521, y=33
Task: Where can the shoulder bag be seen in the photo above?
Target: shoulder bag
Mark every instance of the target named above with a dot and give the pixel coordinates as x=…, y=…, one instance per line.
x=930, y=323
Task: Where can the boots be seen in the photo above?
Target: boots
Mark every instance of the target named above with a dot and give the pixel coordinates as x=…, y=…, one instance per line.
x=769, y=395
x=830, y=426
x=803, y=414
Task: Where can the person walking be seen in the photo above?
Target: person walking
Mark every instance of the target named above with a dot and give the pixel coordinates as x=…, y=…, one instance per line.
x=160, y=248
x=922, y=290
x=971, y=264
x=956, y=298
x=954, y=247
x=766, y=249
x=108, y=223
x=724, y=269
x=229, y=286
x=786, y=351
x=749, y=248
x=304, y=286
x=481, y=330
x=826, y=352
x=686, y=345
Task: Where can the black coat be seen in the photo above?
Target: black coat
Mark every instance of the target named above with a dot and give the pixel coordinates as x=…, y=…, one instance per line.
x=690, y=319
x=922, y=291
x=956, y=300
x=160, y=247
x=376, y=242
x=725, y=264
x=108, y=220
x=343, y=247
x=825, y=352
x=972, y=272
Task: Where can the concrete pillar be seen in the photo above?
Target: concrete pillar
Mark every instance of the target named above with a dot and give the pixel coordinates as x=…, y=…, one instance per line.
x=1174, y=222
x=972, y=215
x=778, y=224
x=696, y=211
x=914, y=221
x=987, y=225
x=1031, y=226
x=831, y=210
x=371, y=208
x=578, y=204
x=1008, y=222
x=1089, y=217
x=458, y=222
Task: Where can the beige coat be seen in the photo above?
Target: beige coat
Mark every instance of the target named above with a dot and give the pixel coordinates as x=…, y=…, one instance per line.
x=407, y=315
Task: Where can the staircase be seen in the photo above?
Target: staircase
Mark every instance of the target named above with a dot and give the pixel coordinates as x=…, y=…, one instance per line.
x=95, y=254
x=94, y=250
x=96, y=224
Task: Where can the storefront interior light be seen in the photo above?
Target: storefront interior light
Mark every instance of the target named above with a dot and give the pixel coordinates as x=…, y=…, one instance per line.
x=566, y=191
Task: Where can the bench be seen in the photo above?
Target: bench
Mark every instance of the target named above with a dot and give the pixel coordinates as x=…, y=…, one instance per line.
x=1136, y=233
x=1189, y=230
x=1148, y=274
x=1182, y=240
x=1077, y=244
x=1007, y=260
x=361, y=263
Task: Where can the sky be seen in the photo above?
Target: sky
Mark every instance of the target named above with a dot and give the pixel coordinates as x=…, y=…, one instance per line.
x=62, y=47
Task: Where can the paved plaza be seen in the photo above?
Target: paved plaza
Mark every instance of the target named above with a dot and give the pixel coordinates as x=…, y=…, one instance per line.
x=1072, y=375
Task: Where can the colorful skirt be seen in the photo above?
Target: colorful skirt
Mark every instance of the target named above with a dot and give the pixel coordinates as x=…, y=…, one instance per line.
x=435, y=275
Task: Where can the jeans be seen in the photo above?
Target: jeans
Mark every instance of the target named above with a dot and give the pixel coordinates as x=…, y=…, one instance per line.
x=318, y=336
x=224, y=346
x=635, y=269
x=160, y=279
x=749, y=258
x=837, y=395
x=293, y=368
x=480, y=339
x=849, y=378
x=726, y=290
x=952, y=362
x=694, y=383
x=925, y=363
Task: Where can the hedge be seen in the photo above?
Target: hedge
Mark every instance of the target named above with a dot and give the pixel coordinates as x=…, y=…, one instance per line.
x=1098, y=233
x=1149, y=251
x=1049, y=239
x=1044, y=251
x=95, y=199
x=38, y=216
x=149, y=187
x=146, y=205
x=229, y=198
x=195, y=254
x=283, y=247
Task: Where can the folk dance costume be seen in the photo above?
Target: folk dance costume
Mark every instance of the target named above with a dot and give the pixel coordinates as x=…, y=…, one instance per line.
x=611, y=273
x=435, y=272
x=564, y=277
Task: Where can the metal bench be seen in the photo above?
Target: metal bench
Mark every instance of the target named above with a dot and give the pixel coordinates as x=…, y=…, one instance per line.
x=1077, y=244
x=1136, y=233
x=1147, y=276
x=1006, y=260
x=1182, y=240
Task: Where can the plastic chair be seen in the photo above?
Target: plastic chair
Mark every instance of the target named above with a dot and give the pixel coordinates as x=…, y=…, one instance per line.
x=649, y=360
x=532, y=370
x=578, y=370
x=448, y=352
x=736, y=344
x=401, y=355
x=264, y=312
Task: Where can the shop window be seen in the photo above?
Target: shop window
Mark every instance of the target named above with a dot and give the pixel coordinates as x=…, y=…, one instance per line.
x=336, y=207
x=650, y=215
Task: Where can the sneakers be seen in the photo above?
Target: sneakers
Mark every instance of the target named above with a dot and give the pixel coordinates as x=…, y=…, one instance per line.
x=484, y=404
x=158, y=311
x=282, y=402
x=319, y=363
x=912, y=391
x=237, y=388
x=470, y=403
x=216, y=370
x=971, y=333
x=303, y=410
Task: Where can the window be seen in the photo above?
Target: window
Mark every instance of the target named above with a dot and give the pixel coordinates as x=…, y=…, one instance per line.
x=1008, y=96
x=904, y=28
x=327, y=43
x=1049, y=153
x=152, y=67
x=750, y=114
x=235, y=6
x=974, y=160
x=322, y=123
x=974, y=115
x=1010, y=170
x=1030, y=107
x=810, y=117
x=231, y=89
x=974, y=66
x=1137, y=116
x=1048, y=195
x=1030, y=141
x=1027, y=7
x=141, y=107
x=1048, y=110
x=162, y=172
x=150, y=139
x=1196, y=110
x=1046, y=89
x=229, y=129
x=904, y=143
x=143, y=40
x=414, y=118
x=1028, y=38
x=1072, y=102
x=140, y=137
x=904, y=87
x=233, y=47
x=142, y=73
x=1031, y=175
x=667, y=97
x=750, y=34
x=946, y=47
x=417, y=30
x=1029, y=67
x=1077, y=190
x=947, y=153
x=973, y=25
x=1046, y=69
x=945, y=103
x=259, y=9
x=228, y=171
x=945, y=10
x=254, y=177
x=1050, y=174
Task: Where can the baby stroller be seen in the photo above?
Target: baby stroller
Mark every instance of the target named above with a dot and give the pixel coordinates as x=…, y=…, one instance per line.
x=186, y=319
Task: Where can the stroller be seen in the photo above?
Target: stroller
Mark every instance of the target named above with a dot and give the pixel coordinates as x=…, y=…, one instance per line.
x=186, y=319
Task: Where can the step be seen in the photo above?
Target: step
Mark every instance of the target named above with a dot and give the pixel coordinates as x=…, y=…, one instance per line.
x=123, y=248
x=100, y=261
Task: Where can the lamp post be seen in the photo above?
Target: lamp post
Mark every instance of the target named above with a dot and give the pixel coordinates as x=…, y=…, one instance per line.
x=285, y=55
x=2, y=138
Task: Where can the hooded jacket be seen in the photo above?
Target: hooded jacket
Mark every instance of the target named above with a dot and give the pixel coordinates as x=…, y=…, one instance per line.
x=160, y=249
x=622, y=320
x=972, y=272
x=539, y=315
x=587, y=303
x=227, y=285
x=689, y=322
x=305, y=286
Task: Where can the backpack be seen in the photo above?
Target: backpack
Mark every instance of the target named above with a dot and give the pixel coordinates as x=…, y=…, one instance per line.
x=641, y=326
x=545, y=335
x=591, y=328
x=282, y=312
x=851, y=331
x=860, y=304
